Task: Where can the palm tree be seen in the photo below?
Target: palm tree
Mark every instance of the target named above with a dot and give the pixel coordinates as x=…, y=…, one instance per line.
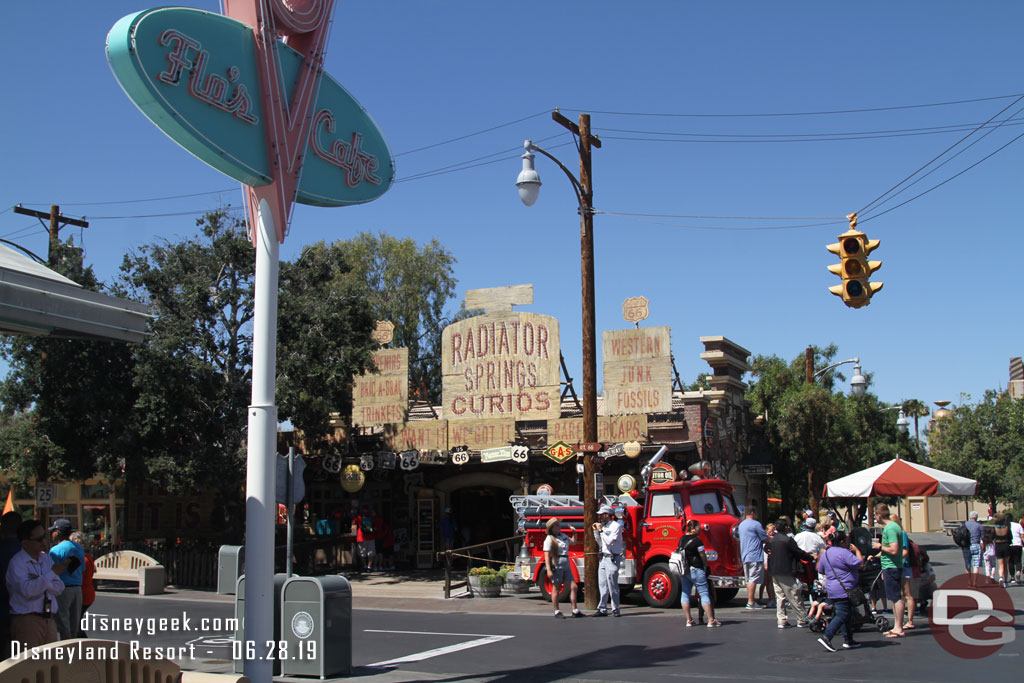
x=917, y=409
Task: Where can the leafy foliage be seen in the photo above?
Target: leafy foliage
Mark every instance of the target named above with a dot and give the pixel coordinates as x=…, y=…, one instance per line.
x=75, y=422
x=324, y=327
x=409, y=286
x=984, y=441
x=815, y=433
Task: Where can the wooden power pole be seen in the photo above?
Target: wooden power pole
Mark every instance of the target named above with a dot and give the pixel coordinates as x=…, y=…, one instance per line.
x=57, y=221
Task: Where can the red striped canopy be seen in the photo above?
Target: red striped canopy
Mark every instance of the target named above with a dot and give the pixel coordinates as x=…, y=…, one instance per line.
x=900, y=478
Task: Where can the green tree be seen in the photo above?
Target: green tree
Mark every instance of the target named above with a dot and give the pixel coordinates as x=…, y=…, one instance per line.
x=193, y=375
x=74, y=392
x=410, y=286
x=916, y=408
x=815, y=433
x=324, y=328
x=985, y=442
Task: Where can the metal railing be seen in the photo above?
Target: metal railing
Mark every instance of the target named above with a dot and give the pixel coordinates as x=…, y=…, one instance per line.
x=506, y=546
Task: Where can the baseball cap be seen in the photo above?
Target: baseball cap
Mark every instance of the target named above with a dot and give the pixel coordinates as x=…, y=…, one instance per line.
x=606, y=510
x=810, y=522
x=552, y=522
x=61, y=525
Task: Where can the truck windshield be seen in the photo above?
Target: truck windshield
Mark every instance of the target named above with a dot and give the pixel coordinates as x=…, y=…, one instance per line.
x=712, y=502
x=666, y=504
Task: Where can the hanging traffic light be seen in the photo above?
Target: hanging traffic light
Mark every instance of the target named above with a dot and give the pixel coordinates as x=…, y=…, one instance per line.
x=854, y=268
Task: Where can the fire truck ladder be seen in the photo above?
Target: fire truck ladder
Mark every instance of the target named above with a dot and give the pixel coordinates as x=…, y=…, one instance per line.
x=521, y=503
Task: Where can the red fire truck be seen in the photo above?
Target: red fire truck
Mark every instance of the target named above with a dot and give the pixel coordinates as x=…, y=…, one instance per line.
x=652, y=528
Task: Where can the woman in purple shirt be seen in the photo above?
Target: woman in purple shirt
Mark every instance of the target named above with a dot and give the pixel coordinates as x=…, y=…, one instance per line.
x=840, y=568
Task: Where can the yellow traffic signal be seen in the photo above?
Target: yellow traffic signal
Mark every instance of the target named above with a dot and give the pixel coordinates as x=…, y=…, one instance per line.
x=854, y=268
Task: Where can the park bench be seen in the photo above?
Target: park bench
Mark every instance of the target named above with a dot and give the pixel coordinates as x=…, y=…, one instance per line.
x=129, y=565
x=102, y=661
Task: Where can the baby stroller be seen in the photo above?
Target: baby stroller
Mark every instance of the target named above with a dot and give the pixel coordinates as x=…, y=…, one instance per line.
x=868, y=578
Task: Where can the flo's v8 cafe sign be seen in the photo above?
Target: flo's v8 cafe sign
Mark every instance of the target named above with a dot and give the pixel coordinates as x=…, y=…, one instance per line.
x=196, y=75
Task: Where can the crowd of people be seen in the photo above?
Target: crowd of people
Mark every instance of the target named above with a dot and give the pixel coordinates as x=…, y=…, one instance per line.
x=45, y=589
x=817, y=560
x=998, y=546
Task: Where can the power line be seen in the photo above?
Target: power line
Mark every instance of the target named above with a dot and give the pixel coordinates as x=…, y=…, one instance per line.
x=951, y=158
x=854, y=135
x=806, y=138
x=933, y=160
x=935, y=187
x=161, y=215
x=463, y=165
x=802, y=113
x=639, y=218
x=479, y=132
x=137, y=201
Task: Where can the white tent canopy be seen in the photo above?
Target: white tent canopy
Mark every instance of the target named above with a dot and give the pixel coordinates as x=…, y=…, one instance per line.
x=35, y=300
x=900, y=478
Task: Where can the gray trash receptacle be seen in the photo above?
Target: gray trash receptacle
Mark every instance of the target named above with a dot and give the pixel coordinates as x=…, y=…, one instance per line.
x=257, y=650
x=230, y=565
x=316, y=625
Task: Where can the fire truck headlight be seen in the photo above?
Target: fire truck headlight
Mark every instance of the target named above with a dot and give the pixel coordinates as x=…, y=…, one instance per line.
x=735, y=532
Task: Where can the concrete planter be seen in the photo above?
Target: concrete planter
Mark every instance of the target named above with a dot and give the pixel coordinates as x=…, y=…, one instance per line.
x=487, y=586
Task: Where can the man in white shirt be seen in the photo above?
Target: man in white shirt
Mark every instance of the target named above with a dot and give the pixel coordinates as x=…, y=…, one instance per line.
x=33, y=584
x=808, y=539
x=1016, y=547
x=608, y=533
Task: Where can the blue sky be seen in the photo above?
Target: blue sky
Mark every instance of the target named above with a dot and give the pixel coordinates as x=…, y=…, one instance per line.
x=429, y=72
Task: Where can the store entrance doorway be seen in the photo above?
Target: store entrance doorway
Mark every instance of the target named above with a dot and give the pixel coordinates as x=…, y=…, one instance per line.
x=482, y=514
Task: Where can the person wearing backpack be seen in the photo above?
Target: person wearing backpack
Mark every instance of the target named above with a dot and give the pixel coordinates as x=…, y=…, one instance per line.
x=972, y=552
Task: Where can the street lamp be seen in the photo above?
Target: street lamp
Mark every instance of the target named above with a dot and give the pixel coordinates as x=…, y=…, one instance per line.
x=858, y=384
x=529, y=183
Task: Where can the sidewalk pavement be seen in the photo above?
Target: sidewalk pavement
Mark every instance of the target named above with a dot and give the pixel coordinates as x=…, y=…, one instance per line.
x=419, y=590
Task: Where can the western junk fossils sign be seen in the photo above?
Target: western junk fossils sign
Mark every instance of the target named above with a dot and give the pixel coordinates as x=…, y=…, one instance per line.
x=637, y=371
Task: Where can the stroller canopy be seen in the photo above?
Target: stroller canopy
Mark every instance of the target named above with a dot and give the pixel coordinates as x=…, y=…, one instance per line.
x=900, y=478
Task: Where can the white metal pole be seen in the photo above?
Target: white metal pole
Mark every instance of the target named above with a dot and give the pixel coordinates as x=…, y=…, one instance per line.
x=260, y=502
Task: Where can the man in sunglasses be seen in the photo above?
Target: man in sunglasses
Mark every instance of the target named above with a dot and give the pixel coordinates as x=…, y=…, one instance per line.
x=33, y=584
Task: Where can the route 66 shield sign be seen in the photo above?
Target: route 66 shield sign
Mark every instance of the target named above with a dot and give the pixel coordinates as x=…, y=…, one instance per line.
x=366, y=463
x=410, y=460
x=521, y=454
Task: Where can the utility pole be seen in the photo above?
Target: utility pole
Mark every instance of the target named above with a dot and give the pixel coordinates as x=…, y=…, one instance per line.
x=590, y=494
x=57, y=221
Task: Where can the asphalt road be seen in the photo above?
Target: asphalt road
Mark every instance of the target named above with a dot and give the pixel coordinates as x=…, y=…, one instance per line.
x=645, y=644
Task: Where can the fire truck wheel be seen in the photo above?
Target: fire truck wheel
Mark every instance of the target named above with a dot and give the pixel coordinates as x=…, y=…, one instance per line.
x=724, y=595
x=661, y=586
x=545, y=586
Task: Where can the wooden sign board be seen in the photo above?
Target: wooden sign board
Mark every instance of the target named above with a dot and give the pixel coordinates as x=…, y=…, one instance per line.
x=382, y=397
x=384, y=332
x=481, y=434
x=609, y=429
x=637, y=371
x=635, y=309
x=501, y=366
x=423, y=435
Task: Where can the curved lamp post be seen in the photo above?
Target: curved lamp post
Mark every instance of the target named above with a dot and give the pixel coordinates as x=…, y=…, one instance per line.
x=529, y=184
x=858, y=384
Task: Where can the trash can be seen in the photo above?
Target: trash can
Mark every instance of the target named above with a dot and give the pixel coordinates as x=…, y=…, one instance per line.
x=316, y=625
x=230, y=565
x=241, y=646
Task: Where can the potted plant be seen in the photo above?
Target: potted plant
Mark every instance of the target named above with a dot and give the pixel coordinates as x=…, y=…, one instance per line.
x=485, y=582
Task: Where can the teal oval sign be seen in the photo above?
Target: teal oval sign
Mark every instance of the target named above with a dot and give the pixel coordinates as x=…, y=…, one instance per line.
x=194, y=74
